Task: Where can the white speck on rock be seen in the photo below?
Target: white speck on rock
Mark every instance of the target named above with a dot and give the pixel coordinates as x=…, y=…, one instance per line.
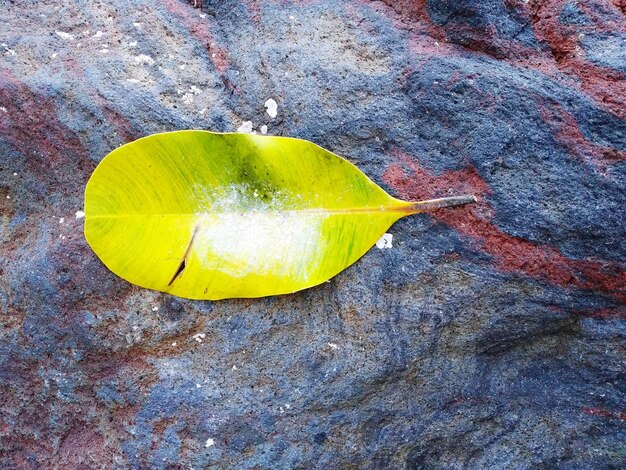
x=245, y=128
x=209, y=442
x=80, y=214
x=234, y=367
x=53, y=55
x=137, y=24
x=199, y=337
x=132, y=80
x=65, y=35
x=3, y=109
x=333, y=346
x=182, y=67
x=14, y=174
x=154, y=309
x=187, y=98
x=61, y=220
x=385, y=241
x=8, y=51
x=98, y=34
x=271, y=107
x=195, y=90
x=263, y=129
x=198, y=385
x=144, y=59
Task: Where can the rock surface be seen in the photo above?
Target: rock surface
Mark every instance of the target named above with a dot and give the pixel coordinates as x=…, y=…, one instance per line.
x=488, y=337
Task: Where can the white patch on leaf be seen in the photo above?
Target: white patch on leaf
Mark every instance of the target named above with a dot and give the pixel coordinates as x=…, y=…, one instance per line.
x=264, y=238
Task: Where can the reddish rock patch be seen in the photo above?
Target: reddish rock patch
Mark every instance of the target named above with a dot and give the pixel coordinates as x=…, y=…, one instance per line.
x=568, y=133
x=607, y=86
x=510, y=253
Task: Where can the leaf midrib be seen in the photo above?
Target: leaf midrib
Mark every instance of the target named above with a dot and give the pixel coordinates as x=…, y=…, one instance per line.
x=347, y=210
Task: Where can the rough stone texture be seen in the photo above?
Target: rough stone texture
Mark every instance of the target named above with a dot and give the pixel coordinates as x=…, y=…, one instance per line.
x=488, y=337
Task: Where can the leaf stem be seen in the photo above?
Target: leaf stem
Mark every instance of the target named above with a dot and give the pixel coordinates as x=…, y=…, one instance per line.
x=440, y=203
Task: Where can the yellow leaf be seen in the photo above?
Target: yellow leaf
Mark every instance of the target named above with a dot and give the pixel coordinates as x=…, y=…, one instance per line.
x=204, y=215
